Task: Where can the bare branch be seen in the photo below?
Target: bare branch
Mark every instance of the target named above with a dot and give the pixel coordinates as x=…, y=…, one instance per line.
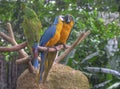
x=18, y=47
x=5, y=37
x=23, y=60
x=103, y=70
x=101, y=84
x=40, y=48
x=10, y=30
x=67, y=51
x=11, y=39
x=52, y=49
x=30, y=67
x=13, y=48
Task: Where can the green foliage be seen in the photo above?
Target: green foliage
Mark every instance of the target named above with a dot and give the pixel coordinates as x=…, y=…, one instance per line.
x=87, y=13
x=6, y=8
x=32, y=26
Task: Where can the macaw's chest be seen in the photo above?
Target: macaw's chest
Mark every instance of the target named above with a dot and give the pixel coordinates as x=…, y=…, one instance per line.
x=53, y=41
x=66, y=30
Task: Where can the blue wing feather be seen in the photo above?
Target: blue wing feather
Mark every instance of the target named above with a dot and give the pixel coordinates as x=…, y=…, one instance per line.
x=48, y=34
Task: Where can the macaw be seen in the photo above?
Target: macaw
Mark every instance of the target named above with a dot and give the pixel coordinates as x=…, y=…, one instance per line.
x=49, y=39
x=32, y=30
x=66, y=30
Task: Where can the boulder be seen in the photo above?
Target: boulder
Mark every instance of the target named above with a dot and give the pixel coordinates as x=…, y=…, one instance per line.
x=60, y=77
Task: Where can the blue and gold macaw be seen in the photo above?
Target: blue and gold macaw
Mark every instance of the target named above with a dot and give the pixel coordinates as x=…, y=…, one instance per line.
x=49, y=39
x=32, y=30
x=66, y=30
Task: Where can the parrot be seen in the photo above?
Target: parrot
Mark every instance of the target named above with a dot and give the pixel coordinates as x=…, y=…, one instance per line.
x=66, y=30
x=32, y=30
x=49, y=39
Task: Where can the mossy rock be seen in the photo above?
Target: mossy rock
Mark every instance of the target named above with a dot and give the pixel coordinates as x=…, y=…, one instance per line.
x=60, y=77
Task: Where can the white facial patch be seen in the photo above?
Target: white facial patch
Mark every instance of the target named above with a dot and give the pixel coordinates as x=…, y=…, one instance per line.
x=61, y=17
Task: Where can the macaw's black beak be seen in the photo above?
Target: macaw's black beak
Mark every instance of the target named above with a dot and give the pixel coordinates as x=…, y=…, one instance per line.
x=67, y=18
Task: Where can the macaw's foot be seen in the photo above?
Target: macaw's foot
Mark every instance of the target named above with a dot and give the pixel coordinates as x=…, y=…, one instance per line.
x=55, y=48
x=64, y=46
x=52, y=47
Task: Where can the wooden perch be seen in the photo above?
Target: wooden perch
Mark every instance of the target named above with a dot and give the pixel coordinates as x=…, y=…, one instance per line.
x=10, y=38
x=11, y=31
x=13, y=48
x=52, y=49
x=18, y=47
x=27, y=59
x=24, y=44
x=40, y=48
x=67, y=51
x=23, y=60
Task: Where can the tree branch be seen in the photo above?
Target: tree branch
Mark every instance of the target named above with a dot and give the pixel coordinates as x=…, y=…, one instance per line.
x=103, y=70
x=5, y=37
x=24, y=44
x=18, y=47
x=25, y=58
x=11, y=39
x=52, y=49
x=67, y=51
x=97, y=86
x=40, y=48
x=10, y=30
x=13, y=48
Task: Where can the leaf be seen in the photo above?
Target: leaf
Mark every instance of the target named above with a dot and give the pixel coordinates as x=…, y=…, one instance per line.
x=114, y=86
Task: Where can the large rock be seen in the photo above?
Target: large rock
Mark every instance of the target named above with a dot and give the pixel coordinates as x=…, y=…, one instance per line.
x=60, y=77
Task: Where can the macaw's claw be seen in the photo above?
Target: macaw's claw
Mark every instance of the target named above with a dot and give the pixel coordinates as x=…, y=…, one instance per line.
x=55, y=48
x=64, y=46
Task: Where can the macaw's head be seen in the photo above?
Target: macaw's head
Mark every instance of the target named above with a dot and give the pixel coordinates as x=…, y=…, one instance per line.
x=57, y=18
x=68, y=18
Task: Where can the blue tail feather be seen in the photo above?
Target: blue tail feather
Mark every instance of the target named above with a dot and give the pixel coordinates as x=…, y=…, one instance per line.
x=35, y=63
x=41, y=66
x=35, y=57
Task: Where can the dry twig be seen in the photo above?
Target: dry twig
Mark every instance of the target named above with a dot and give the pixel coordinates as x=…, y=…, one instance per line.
x=13, y=48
